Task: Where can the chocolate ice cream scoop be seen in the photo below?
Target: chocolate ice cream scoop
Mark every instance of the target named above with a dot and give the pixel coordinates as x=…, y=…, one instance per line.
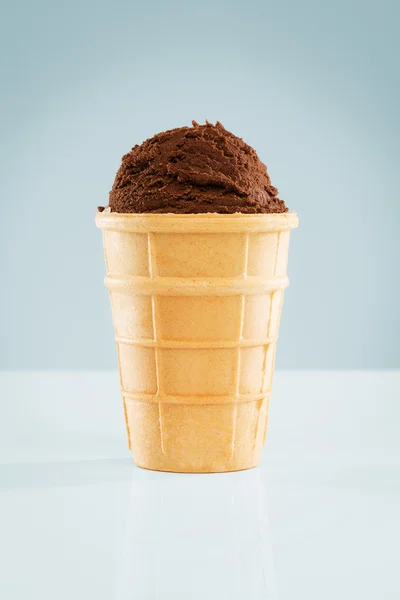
x=198, y=169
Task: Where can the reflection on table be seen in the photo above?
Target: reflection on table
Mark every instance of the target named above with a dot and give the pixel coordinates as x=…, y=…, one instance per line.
x=197, y=537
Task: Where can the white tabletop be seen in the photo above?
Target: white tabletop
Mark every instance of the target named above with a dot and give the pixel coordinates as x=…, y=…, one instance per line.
x=319, y=519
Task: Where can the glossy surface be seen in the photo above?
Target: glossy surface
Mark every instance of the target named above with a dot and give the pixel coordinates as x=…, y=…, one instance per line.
x=318, y=519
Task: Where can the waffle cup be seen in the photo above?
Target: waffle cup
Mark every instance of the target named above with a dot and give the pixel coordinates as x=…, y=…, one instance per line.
x=196, y=302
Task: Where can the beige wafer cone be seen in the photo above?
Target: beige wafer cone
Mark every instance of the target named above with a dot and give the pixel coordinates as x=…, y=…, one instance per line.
x=196, y=302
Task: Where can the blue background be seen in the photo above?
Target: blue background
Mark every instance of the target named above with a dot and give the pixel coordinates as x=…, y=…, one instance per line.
x=312, y=86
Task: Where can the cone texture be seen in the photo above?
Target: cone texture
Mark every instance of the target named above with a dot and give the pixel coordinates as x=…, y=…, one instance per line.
x=196, y=302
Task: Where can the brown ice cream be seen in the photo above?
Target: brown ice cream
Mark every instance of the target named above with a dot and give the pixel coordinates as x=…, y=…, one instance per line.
x=198, y=169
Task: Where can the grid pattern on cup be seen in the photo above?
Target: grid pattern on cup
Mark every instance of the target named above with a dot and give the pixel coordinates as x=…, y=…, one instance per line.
x=157, y=345
x=154, y=341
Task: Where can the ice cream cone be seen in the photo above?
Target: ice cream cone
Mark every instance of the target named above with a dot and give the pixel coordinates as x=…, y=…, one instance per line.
x=196, y=303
